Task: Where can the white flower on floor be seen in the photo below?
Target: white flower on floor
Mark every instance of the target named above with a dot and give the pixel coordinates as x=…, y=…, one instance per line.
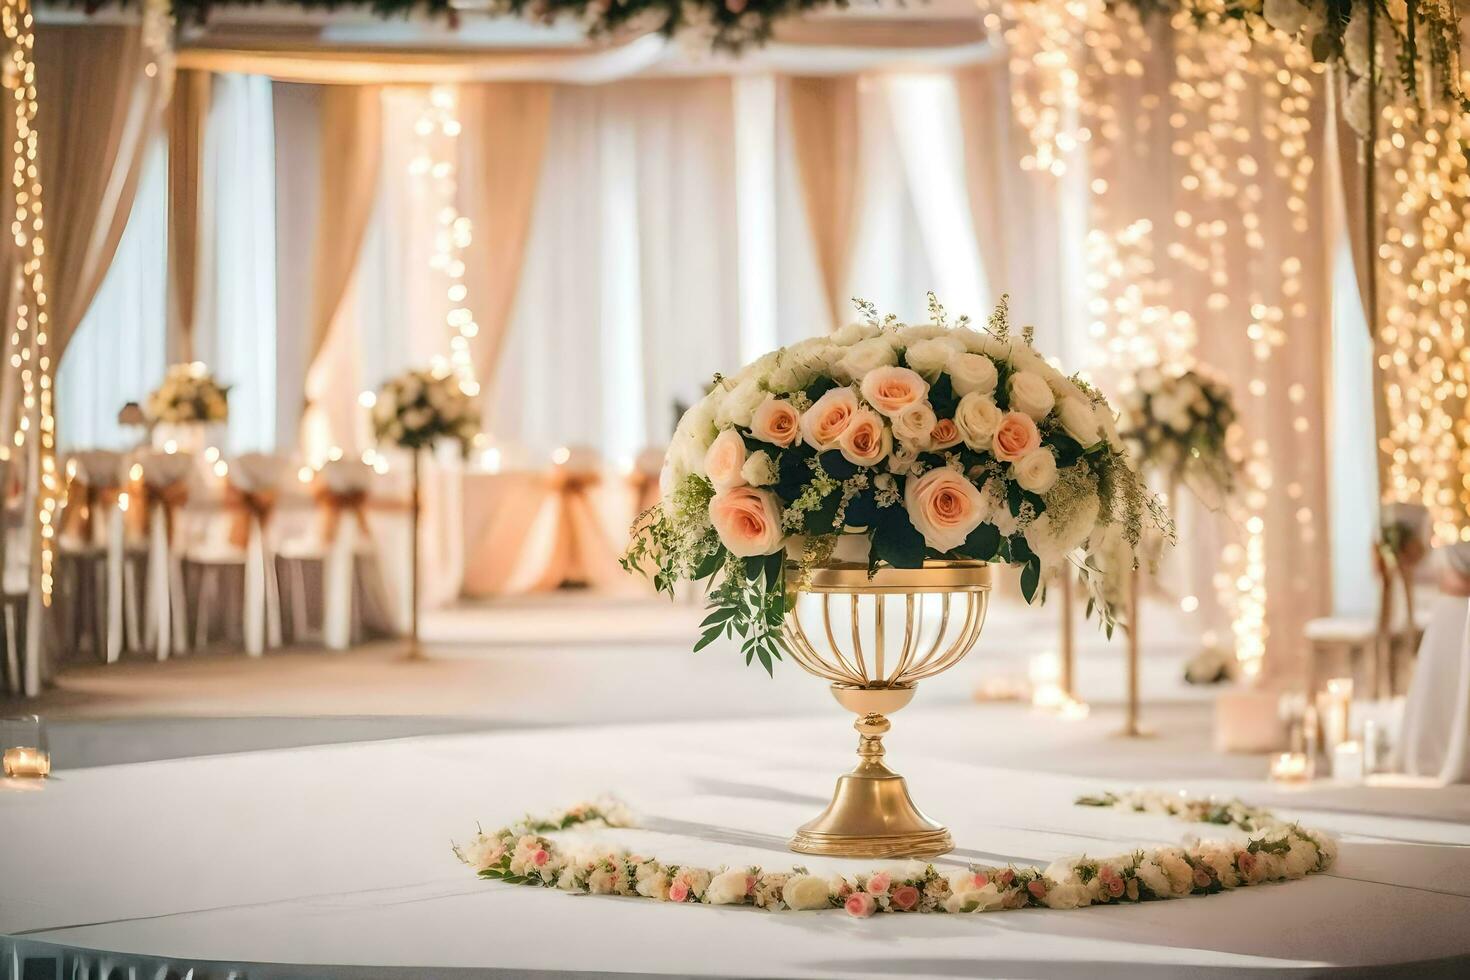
x=807, y=892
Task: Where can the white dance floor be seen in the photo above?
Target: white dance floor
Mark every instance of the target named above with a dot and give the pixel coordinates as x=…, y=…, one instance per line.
x=335, y=861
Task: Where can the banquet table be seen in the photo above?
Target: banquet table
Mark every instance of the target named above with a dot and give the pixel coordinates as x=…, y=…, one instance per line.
x=335, y=861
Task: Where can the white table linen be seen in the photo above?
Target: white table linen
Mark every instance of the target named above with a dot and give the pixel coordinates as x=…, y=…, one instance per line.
x=1436, y=733
x=340, y=855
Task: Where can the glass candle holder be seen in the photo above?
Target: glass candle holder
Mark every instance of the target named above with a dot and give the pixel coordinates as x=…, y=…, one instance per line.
x=23, y=750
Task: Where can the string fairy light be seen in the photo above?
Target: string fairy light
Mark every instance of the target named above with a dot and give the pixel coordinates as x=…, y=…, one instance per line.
x=30, y=338
x=1423, y=188
x=437, y=130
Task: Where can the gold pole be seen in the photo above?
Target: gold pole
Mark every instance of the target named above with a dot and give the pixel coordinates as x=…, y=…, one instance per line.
x=1069, y=638
x=415, y=652
x=1369, y=147
x=1132, y=727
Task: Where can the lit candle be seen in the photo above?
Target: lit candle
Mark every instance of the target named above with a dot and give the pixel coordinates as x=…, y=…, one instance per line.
x=1336, y=705
x=1347, y=762
x=25, y=761
x=1289, y=767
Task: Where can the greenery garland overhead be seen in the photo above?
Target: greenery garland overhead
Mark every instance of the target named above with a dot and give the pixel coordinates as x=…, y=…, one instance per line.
x=1418, y=41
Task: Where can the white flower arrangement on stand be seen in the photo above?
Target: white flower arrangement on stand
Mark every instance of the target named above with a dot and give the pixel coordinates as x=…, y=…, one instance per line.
x=1182, y=425
x=414, y=411
x=181, y=410
x=902, y=443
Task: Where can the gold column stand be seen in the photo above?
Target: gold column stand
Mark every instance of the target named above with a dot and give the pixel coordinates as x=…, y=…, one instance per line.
x=871, y=813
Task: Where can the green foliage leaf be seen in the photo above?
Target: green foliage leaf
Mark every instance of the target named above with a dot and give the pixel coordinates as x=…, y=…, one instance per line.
x=942, y=397
x=898, y=542
x=1031, y=579
x=983, y=543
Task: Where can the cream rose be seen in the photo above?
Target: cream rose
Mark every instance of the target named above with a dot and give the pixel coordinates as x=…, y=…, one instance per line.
x=776, y=421
x=724, y=459
x=1031, y=394
x=970, y=373
x=915, y=424
x=1016, y=436
x=1036, y=471
x=921, y=331
x=1079, y=421
x=865, y=356
x=759, y=470
x=977, y=418
x=902, y=457
x=944, y=435
x=740, y=402
x=866, y=440
x=803, y=892
x=892, y=389
x=747, y=520
x=944, y=507
x=823, y=424
x=851, y=333
x=728, y=888
x=929, y=357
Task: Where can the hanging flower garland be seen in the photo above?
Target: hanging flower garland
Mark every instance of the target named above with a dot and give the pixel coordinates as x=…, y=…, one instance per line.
x=1183, y=424
x=521, y=854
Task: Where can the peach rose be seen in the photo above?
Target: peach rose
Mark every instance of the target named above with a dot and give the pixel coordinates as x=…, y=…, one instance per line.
x=724, y=459
x=1016, y=436
x=905, y=898
x=878, y=883
x=892, y=389
x=823, y=424
x=777, y=422
x=944, y=434
x=747, y=520
x=866, y=440
x=860, y=905
x=944, y=507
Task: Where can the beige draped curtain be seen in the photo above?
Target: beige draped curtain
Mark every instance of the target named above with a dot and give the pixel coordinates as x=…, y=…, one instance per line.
x=97, y=109
x=824, y=127
x=505, y=127
x=187, y=114
x=351, y=136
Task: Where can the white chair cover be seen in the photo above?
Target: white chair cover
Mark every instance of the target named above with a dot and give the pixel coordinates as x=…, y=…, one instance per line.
x=257, y=477
x=104, y=474
x=164, y=474
x=342, y=478
x=1436, y=734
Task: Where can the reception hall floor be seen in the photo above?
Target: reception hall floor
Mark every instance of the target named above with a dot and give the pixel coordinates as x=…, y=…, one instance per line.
x=289, y=816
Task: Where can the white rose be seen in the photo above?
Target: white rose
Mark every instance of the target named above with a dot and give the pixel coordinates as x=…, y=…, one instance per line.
x=973, y=340
x=1079, y=421
x=1036, y=471
x=1108, y=423
x=921, y=331
x=971, y=373
x=915, y=423
x=964, y=896
x=739, y=403
x=864, y=356
x=977, y=418
x=1029, y=393
x=727, y=888
x=929, y=357
x=758, y=470
x=807, y=892
x=1067, y=895
x=1153, y=876
x=853, y=333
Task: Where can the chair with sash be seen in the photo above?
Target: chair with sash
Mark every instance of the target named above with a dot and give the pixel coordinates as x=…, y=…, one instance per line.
x=331, y=569
x=164, y=488
x=90, y=555
x=1436, y=733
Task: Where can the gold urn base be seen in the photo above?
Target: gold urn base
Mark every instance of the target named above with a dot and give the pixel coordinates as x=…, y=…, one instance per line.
x=871, y=814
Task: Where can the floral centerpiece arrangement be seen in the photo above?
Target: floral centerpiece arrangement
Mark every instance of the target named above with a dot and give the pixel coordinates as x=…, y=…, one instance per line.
x=188, y=394
x=932, y=441
x=1183, y=425
x=420, y=407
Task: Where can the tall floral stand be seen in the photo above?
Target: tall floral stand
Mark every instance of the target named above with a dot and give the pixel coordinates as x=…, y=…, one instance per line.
x=415, y=507
x=1132, y=727
x=1068, y=646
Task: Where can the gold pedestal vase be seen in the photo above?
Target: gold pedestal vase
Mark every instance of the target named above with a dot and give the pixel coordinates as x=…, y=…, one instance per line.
x=871, y=813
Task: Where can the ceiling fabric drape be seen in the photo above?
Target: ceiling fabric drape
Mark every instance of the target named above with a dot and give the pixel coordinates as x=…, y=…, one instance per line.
x=824, y=127
x=96, y=109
